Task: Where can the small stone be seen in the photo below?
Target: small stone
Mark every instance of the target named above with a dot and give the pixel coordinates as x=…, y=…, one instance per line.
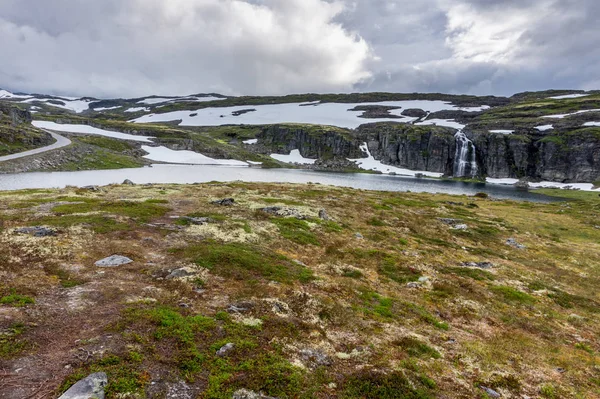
x=413, y=284
x=36, y=231
x=113, y=261
x=91, y=387
x=460, y=227
x=128, y=182
x=247, y=394
x=196, y=221
x=479, y=265
x=561, y=370
x=225, y=349
x=491, y=393
x=450, y=222
x=179, y=273
x=323, y=214
x=513, y=243
x=224, y=202
x=423, y=279
x=91, y=188
x=315, y=357
x=358, y=236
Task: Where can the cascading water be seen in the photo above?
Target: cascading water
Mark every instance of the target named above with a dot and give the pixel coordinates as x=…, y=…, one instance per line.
x=465, y=163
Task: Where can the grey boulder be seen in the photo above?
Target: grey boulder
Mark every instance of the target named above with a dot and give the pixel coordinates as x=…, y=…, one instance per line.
x=91, y=387
x=113, y=261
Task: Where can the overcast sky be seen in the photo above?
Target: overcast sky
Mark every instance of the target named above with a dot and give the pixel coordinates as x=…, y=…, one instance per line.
x=128, y=48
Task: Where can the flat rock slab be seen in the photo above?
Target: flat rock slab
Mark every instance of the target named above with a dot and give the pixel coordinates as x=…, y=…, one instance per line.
x=113, y=261
x=91, y=387
x=36, y=231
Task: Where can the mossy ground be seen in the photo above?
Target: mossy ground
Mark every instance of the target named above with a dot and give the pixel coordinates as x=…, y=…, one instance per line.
x=396, y=313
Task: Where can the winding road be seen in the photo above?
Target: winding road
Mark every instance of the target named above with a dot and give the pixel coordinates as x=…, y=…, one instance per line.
x=60, y=143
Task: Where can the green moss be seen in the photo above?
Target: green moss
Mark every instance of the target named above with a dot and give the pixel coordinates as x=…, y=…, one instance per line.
x=142, y=212
x=11, y=345
x=243, y=262
x=475, y=274
x=512, y=295
x=107, y=143
x=296, y=230
x=103, y=160
x=415, y=348
x=393, y=385
x=16, y=300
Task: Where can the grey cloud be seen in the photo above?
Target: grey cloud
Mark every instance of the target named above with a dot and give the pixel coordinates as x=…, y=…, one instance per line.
x=139, y=47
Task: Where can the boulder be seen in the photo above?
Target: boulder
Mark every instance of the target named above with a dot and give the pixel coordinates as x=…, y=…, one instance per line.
x=91, y=387
x=113, y=261
x=128, y=182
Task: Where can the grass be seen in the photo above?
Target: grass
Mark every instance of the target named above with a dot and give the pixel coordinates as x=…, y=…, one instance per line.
x=373, y=385
x=16, y=300
x=296, y=230
x=475, y=274
x=415, y=348
x=11, y=345
x=242, y=262
x=512, y=295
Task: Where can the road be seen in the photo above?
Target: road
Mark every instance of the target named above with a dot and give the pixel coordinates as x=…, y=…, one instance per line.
x=60, y=143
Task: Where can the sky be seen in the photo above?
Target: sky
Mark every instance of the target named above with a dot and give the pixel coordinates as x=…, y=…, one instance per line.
x=134, y=48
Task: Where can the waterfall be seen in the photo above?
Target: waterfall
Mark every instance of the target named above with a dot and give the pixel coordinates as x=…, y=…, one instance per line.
x=465, y=163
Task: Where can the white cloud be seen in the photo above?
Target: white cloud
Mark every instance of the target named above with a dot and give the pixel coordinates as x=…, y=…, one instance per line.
x=182, y=46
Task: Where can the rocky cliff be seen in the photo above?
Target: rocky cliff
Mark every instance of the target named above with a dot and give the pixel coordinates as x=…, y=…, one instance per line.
x=572, y=156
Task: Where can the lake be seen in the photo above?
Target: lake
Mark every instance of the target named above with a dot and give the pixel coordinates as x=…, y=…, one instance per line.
x=187, y=174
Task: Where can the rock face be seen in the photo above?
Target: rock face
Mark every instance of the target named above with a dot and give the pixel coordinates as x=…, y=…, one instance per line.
x=91, y=387
x=533, y=154
x=560, y=157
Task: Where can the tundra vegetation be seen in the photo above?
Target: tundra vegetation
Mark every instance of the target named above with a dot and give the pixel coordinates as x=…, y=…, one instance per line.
x=376, y=297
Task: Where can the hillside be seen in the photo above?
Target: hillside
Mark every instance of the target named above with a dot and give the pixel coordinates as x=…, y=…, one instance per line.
x=16, y=133
x=548, y=136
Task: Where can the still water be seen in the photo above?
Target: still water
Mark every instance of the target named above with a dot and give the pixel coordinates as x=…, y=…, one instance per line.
x=186, y=174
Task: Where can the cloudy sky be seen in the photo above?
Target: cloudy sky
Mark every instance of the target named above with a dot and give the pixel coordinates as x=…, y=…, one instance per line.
x=127, y=48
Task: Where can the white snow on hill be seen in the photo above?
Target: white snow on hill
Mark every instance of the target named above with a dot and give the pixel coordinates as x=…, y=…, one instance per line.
x=8, y=95
x=85, y=129
x=76, y=105
x=568, y=96
x=335, y=114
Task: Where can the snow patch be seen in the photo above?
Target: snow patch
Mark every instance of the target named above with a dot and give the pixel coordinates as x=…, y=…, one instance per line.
x=546, y=184
x=335, y=114
x=252, y=141
x=137, y=109
x=442, y=122
x=293, y=157
x=591, y=124
x=502, y=131
x=370, y=163
x=75, y=105
x=561, y=116
x=164, y=154
x=568, y=96
x=85, y=129
x=106, y=109
x=544, y=128
x=8, y=94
